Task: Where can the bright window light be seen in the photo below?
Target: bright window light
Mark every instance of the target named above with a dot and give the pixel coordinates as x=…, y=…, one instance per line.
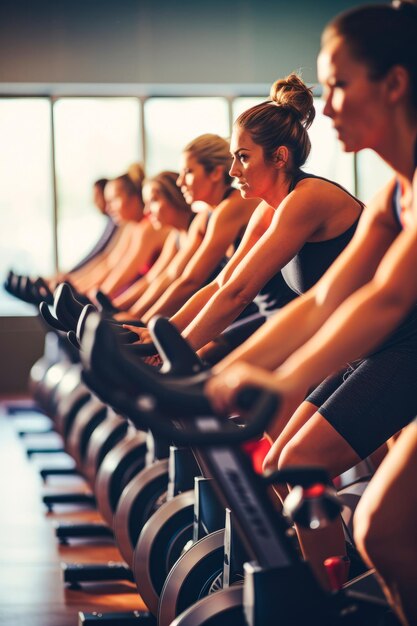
x=26, y=237
x=373, y=173
x=170, y=123
x=94, y=138
x=327, y=158
x=242, y=104
x=100, y=137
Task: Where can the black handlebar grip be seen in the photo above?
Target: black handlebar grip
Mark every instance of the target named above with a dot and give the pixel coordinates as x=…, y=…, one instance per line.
x=106, y=304
x=49, y=318
x=141, y=349
x=137, y=323
x=72, y=338
x=247, y=397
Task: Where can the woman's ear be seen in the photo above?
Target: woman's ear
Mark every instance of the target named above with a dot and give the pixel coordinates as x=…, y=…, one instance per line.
x=217, y=173
x=280, y=156
x=397, y=81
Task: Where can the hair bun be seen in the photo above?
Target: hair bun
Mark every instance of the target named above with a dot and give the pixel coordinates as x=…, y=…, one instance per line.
x=136, y=174
x=291, y=92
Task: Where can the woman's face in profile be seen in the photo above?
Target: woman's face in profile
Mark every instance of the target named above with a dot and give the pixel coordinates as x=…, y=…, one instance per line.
x=254, y=176
x=98, y=199
x=157, y=206
x=355, y=102
x=195, y=183
x=117, y=202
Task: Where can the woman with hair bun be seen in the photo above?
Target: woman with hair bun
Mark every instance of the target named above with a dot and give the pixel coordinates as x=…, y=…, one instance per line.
x=300, y=227
x=138, y=245
x=363, y=311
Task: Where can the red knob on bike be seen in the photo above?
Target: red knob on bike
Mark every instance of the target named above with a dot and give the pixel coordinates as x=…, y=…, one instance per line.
x=337, y=569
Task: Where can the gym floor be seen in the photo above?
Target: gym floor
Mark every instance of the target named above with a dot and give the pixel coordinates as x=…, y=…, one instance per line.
x=31, y=588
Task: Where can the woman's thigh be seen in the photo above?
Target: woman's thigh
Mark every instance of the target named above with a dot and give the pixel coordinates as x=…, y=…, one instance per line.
x=318, y=443
x=375, y=400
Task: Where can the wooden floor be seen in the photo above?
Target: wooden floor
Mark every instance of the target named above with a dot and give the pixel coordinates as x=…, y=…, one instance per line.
x=31, y=588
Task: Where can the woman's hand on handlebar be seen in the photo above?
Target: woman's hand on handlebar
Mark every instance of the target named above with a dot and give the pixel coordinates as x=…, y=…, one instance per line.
x=155, y=360
x=143, y=333
x=223, y=390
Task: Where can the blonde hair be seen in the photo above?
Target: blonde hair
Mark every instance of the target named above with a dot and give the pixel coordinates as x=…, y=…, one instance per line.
x=283, y=120
x=132, y=181
x=136, y=172
x=211, y=151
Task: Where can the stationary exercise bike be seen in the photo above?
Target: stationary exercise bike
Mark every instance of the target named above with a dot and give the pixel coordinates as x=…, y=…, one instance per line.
x=274, y=574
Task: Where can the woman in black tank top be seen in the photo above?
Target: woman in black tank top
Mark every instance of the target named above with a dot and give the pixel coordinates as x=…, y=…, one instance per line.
x=301, y=225
x=363, y=311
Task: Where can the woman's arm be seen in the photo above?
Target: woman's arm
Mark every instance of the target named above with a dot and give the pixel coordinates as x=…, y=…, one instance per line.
x=224, y=226
x=97, y=259
x=176, y=267
x=258, y=223
x=133, y=293
x=353, y=326
x=365, y=318
x=102, y=268
x=293, y=325
x=145, y=244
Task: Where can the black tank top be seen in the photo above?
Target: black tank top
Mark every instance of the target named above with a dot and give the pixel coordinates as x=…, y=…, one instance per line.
x=314, y=258
x=225, y=259
x=306, y=267
x=274, y=295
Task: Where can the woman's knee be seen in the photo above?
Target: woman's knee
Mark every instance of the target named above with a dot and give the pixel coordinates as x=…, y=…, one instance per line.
x=362, y=530
x=280, y=457
x=372, y=532
x=293, y=454
x=271, y=460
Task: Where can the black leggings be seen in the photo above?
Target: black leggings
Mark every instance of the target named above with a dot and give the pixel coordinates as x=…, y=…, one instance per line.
x=372, y=400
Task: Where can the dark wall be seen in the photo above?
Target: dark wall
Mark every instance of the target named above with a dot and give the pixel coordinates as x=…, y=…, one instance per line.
x=21, y=344
x=161, y=41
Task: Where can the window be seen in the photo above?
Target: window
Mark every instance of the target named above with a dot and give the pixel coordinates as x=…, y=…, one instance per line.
x=26, y=209
x=170, y=123
x=242, y=104
x=373, y=173
x=94, y=138
x=327, y=157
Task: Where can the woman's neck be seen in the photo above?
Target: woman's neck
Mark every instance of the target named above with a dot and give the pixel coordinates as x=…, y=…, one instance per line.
x=217, y=194
x=183, y=221
x=397, y=148
x=278, y=191
x=139, y=214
